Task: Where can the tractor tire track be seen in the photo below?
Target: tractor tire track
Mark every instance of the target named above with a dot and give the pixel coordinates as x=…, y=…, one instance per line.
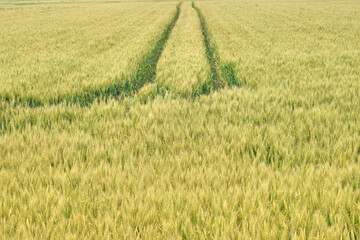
x=221, y=75
x=145, y=73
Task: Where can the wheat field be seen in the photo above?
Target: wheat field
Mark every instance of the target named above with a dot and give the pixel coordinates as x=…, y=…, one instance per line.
x=180, y=120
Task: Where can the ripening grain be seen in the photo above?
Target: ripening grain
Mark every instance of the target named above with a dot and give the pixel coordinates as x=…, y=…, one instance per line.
x=49, y=51
x=305, y=46
x=296, y=56
x=217, y=166
x=183, y=67
x=275, y=158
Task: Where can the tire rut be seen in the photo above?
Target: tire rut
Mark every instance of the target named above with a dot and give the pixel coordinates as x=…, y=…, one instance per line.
x=145, y=73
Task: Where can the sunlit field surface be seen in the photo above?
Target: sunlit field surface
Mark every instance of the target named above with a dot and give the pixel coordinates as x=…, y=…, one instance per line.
x=238, y=120
x=57, y=50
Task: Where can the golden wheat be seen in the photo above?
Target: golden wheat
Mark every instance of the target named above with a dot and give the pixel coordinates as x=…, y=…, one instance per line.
x=60, y=50
x=274, y=156
x=183, y=66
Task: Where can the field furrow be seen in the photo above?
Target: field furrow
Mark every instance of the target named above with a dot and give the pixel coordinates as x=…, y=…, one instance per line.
x=183, y=68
